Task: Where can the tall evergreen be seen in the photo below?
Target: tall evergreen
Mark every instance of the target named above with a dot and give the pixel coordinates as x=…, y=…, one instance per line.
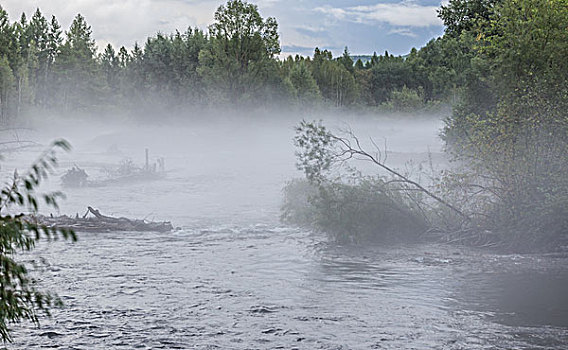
x=76, y=67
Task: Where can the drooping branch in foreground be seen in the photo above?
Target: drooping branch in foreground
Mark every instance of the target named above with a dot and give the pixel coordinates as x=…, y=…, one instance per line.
x=20, y=298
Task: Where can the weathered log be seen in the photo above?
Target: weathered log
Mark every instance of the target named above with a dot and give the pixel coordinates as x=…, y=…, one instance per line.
x=100, y=223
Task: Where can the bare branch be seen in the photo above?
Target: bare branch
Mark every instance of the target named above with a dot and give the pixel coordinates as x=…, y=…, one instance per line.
x=359, y=151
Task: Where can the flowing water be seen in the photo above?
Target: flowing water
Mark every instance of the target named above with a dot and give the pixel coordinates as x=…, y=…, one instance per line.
x=231, y=276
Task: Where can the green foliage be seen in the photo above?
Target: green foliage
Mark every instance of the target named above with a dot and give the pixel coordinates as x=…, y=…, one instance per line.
x=516, y=147
x=368, y=209
x=336, y=82
x=526, y=43
x=315, y=145
x=346, y=60
x=389, y=74
x=352, y=208
x=75, y=68
x=297, y=206
x=405, y=100
x=504, y=62
x=305, y=86
x=236, y=62
x=21, y=298
x=239, y=56
x=6, y=89
x=464, y=15
x=443, y=66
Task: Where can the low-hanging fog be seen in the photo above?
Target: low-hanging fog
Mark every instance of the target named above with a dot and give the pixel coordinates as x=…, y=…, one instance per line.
x=234, y=166
x=232, y=275
x=227, y=195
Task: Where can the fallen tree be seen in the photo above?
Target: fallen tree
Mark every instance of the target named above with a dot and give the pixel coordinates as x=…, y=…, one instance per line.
x=98, y=222
x=388, y=206
x=126, y=173
x=473, y=203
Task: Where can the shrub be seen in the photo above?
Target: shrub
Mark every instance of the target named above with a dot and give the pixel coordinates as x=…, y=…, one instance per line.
x=363, y=210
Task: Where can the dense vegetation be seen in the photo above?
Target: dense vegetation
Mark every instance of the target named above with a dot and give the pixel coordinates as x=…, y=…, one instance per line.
x=234, y=61
x=513, y=136
x=507, y=135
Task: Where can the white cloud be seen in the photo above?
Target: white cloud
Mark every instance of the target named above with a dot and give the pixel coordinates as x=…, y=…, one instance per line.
x=122, y=22
x=405, y=14
x=403, y=31
x=266, y=3
x=336, y=12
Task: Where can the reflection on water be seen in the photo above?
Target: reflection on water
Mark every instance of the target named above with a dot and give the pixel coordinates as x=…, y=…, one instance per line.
x=523, y=298
x=233, y=278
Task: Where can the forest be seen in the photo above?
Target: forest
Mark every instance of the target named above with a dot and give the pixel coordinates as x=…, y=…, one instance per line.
x=43, y=67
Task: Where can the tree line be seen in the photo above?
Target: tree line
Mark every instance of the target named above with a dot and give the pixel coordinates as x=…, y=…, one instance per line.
x=234, y=61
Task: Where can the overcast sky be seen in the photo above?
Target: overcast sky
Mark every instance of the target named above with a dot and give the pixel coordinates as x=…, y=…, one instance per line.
x=363, y=26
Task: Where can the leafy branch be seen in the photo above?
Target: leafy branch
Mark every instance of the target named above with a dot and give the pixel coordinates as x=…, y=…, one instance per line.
x=19, y=295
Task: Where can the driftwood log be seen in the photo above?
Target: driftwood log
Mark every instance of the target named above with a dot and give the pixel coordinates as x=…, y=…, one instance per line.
x=100, y=223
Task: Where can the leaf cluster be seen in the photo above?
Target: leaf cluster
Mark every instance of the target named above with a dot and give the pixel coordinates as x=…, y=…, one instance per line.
x=316, y=145
x=514, y=149
x=19, y=294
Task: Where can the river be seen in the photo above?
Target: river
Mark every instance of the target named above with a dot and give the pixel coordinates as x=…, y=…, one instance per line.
x=232, y=276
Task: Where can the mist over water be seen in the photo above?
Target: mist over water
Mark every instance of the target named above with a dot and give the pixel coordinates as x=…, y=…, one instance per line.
x=231, y=276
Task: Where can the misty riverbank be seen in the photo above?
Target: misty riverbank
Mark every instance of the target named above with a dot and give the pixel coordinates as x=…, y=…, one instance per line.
x=234, y=277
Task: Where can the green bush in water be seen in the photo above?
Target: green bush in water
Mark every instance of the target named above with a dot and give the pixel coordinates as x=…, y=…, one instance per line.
x=368, y=209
